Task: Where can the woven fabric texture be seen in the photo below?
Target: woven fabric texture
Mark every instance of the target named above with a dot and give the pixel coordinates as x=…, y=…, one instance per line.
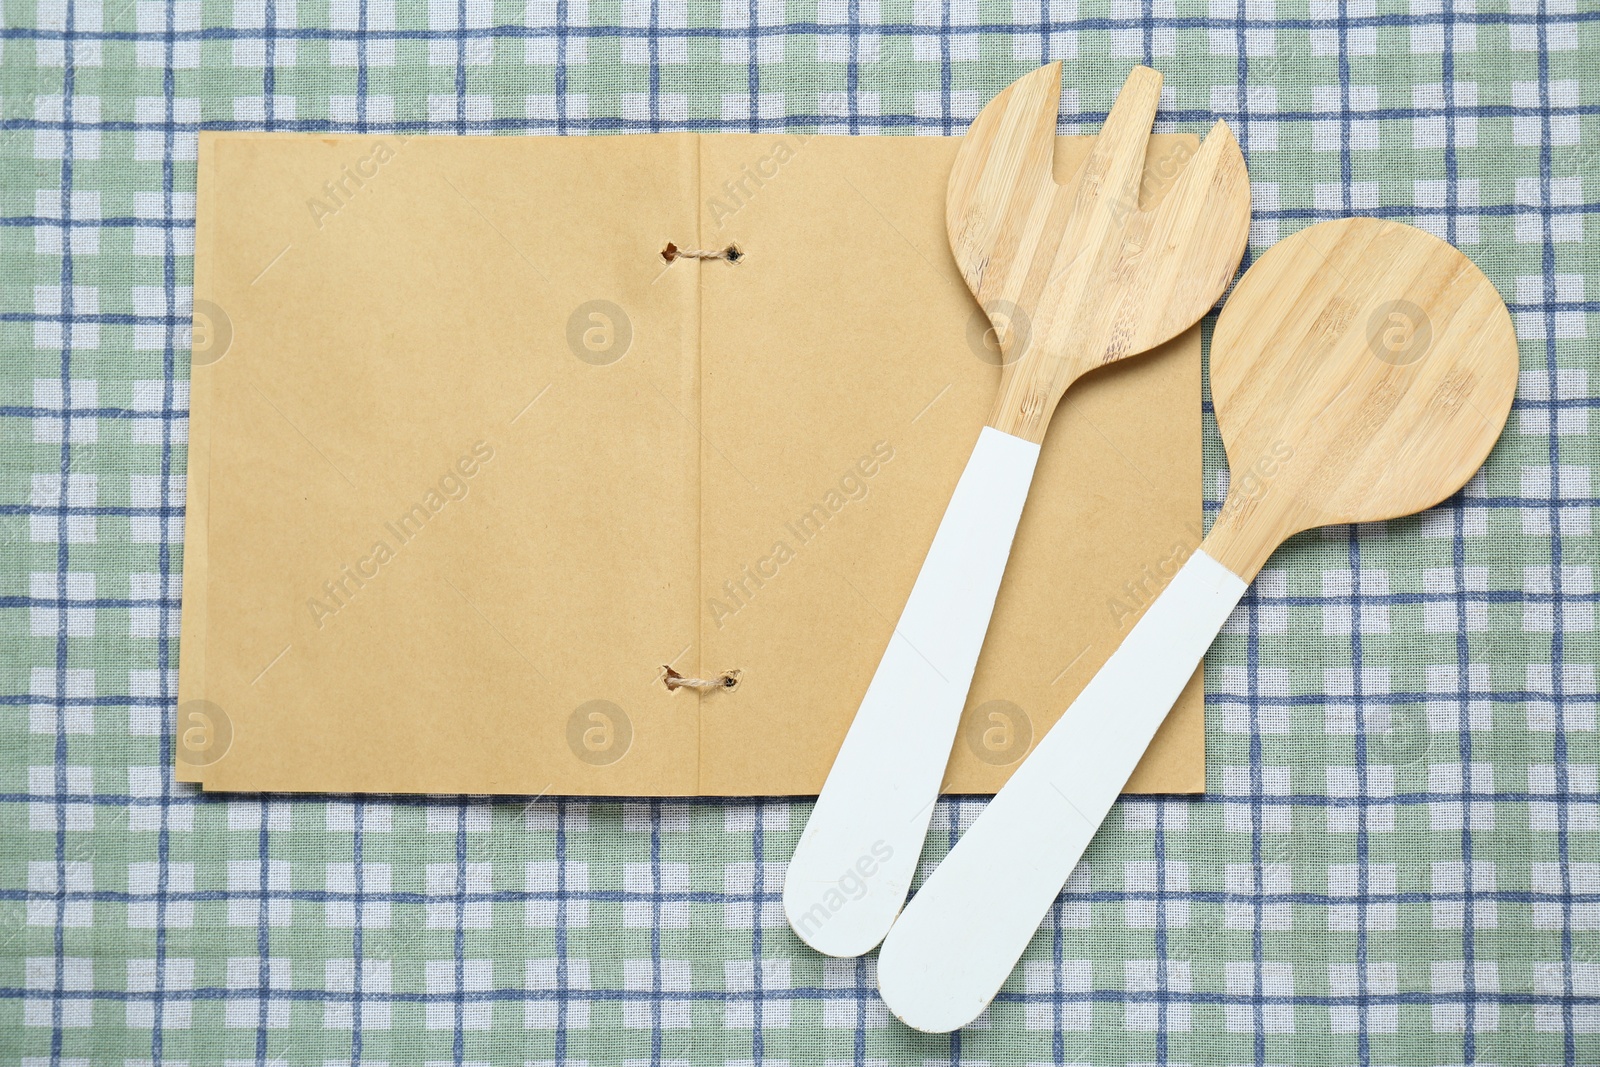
x=1397, y=862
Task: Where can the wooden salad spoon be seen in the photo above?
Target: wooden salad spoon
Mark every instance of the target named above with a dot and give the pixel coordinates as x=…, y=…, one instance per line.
x=1073, y=276
x=1361, y=370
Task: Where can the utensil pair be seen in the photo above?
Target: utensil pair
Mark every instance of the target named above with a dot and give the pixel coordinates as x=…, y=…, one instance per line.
x=1362, y=370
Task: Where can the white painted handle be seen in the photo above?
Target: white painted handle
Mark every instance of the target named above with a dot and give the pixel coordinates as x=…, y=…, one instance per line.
x=853, y=865
x=963, y=933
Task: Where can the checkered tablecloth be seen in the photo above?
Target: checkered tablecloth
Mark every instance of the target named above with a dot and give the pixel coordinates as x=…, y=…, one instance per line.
x=1398, y=861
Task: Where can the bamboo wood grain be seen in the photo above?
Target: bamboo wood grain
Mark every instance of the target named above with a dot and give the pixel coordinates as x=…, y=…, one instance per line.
x=1079, y=274
x=1361, y=370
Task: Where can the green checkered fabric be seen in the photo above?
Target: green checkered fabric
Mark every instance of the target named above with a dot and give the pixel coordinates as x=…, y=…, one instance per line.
x=1397, y=859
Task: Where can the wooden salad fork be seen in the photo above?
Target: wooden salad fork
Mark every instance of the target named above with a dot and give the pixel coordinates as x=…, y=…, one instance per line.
x=1073, y=276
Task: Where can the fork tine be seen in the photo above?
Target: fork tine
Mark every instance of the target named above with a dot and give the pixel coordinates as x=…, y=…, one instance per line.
x=1115, y=164
x=1008, y=150
x=1210, y=190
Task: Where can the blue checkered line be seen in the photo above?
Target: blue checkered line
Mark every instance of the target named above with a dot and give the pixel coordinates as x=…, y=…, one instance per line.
x=1396, y=862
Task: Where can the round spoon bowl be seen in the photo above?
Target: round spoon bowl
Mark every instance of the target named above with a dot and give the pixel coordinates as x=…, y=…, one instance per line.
x=1361, y=370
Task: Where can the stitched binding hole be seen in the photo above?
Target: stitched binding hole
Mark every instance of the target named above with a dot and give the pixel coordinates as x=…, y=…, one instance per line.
x=731, y=254
x=674, y=681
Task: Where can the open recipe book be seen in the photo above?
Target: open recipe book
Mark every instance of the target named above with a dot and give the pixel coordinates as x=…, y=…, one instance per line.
x=471, y=461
